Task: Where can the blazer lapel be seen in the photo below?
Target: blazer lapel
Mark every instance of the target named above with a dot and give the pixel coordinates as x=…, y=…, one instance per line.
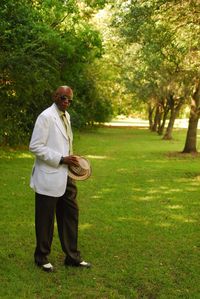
x=58, y=121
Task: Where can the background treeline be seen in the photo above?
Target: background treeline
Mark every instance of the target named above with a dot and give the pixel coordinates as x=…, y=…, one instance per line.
x=135, y=57
x=45, y=44
x=161, y=60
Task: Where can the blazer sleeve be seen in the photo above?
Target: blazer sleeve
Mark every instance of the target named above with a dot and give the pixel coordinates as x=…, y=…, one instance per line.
x=39, y=140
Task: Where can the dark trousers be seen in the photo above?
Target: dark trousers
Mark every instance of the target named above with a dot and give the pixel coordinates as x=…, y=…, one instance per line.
x=66, y=210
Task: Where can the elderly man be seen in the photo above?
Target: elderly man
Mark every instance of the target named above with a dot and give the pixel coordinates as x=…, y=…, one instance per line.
x=55, y=191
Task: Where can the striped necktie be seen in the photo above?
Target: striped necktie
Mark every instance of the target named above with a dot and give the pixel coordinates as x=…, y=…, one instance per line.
x=69, y=132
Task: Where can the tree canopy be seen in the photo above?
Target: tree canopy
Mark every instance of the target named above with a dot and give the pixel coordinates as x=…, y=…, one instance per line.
x=45, y=44
x=118, y=56
x=161, y=65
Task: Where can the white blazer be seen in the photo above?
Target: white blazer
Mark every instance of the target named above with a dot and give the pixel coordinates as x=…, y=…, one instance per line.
x=49, y=142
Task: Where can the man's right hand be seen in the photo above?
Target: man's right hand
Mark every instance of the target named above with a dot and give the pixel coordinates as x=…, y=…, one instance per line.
x=70, y=160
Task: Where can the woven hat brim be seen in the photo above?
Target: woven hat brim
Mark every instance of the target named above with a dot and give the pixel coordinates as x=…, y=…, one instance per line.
x=77, y=172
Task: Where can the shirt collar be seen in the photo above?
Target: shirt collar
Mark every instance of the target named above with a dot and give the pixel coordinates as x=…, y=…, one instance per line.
x=61, y=113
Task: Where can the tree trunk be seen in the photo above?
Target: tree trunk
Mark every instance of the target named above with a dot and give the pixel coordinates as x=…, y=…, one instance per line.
x=175, y=108
x=156, y=119
x=164, y=109
x=168, y=133
x=190, y=144
x=162, y=125
x=191, y=138
x=150, y=115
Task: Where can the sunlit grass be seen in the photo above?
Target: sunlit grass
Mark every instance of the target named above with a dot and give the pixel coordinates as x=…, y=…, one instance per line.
x=139, y=222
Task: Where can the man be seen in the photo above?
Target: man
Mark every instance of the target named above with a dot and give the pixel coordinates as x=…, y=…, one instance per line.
x=55, y=191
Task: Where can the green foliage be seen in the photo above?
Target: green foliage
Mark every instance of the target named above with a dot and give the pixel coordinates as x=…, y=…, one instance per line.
x=44, y=44
x=96, y=4
x=162, y=53
x=90, y=105
x=115, y=59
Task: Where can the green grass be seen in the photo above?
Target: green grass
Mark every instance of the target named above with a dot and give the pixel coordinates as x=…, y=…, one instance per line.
x=139, y=222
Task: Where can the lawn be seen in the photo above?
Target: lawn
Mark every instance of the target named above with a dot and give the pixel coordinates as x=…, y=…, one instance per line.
x=139, y=222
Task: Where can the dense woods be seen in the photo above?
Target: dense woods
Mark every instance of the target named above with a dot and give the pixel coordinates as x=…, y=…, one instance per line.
x=120, y=57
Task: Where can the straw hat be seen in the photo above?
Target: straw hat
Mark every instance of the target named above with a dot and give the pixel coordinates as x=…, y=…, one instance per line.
x=80, y=172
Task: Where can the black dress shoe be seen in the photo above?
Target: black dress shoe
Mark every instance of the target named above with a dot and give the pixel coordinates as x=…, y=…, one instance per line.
x=81, y=264
x=46, y=267
x=84, y=264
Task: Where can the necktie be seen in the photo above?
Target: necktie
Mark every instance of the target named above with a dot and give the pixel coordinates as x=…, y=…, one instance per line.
x=69, y=132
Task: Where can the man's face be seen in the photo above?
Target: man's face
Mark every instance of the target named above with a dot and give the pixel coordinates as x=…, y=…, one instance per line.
x=63, y=98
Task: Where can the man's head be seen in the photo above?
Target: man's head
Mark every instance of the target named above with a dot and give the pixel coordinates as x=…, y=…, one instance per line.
x=63, y=97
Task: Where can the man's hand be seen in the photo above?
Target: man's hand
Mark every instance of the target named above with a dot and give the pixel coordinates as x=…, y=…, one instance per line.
x=70, y=160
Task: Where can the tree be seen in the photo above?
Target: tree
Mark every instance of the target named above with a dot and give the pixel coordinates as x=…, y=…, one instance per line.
x=190, y=143
x=166, y=35
x=44, y=44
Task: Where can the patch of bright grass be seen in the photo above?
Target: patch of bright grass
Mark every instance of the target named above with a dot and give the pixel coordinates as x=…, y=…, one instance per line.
x=139, y=222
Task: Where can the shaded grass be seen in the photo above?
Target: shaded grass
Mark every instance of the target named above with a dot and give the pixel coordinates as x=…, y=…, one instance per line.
x=139, y=221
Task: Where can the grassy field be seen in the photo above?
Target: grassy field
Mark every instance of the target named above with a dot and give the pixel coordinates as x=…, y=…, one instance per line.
x=139, y=222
